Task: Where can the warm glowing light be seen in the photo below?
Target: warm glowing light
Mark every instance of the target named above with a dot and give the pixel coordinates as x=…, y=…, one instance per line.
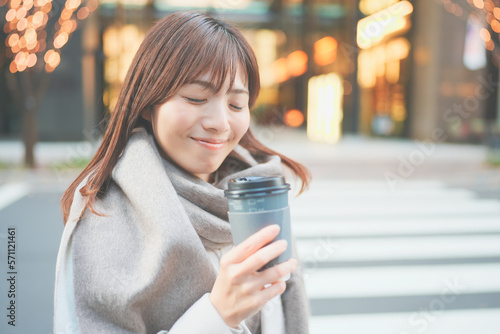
x=21, y=12
x=369, y=7
x=485, y=34
x=22, y=24
x=325, y=51
x=31, y=46
x=12, y=25
x=22, y=42
x=382, y=60
x=324, y=108
x=372, y=29
x=293, y=118
x=21, y=67
x=238, y=4
x=495, y=25
x=83, y=13
x=496, y=12
x=67, y=26
x=31, y=61
x=45, y=19
x=15, y=3
x=489, y=5
x=47, y=55
x=60, y=40
x=66, y=14
x=73, y=4
x=297, y=63
x=30, y=35
x=479, y=3
x=490, y=46
x=16, y=48
x=489, y=17
x=264, y=43
x=92, y=5
x=73, y=25
x=280, y=70
x=11, y=15
x=28, y=4
x=12, y=40
x=52, y=58
x=46, y=7
x=37, y=19
x=13, y=67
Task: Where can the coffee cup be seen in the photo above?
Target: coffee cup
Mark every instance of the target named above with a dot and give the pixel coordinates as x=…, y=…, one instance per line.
x=256, y=202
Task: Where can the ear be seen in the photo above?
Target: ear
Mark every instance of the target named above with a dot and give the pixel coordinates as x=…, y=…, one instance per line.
x=146, y=114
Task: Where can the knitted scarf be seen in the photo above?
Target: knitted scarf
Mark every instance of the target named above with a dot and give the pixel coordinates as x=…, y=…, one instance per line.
x=143, y=263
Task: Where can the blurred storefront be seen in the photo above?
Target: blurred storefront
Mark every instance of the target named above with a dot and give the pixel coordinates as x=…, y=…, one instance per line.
x=454, y=70
x=294, y=40
x=391, y=68
x=383, y=66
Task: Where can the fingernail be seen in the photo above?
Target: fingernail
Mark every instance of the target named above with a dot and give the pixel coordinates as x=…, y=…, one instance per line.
x=283, y=243
x=274, y=228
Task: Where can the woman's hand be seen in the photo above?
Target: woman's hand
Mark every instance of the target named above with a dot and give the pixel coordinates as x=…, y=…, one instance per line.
x=239, y=291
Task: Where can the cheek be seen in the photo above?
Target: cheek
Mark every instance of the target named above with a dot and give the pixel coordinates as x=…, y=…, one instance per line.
x=173, y=120
x=241, y=124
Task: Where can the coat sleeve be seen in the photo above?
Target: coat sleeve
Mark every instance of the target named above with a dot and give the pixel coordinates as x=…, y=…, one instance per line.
x=202, y=317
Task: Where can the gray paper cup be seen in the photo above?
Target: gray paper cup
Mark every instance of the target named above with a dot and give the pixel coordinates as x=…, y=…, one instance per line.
x=257, y=202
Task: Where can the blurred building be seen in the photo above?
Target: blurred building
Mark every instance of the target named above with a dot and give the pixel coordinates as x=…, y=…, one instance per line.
x=390, y=68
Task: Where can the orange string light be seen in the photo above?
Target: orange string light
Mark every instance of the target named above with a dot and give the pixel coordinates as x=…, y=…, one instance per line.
x=26, y=34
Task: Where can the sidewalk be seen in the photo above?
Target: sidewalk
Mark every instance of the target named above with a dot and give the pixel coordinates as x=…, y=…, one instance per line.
x=391, y=160
x=353, y=157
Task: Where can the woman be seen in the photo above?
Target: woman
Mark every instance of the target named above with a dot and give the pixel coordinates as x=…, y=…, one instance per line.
x=146, y=246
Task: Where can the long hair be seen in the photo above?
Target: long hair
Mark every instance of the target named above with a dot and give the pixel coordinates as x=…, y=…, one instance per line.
x=177, y=50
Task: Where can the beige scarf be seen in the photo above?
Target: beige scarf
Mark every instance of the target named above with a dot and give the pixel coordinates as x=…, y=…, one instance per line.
x=145, y=263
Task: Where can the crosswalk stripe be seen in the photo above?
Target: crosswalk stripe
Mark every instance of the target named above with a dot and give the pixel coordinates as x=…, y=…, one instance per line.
x=377, y=194
x=369, y=251
x=386, y=227
x=352, y=249
x=481, y=210
x=429, y=321
x=402, y=280
x=412, y=303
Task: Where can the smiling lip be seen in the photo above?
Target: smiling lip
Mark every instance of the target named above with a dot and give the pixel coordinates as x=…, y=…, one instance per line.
x=210, y=143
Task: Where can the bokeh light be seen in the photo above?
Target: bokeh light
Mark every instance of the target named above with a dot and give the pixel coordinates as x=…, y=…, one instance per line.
x=293, y=118
x=297, y=63
x=26, y=31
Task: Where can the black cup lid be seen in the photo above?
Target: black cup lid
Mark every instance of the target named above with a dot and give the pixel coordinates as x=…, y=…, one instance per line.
x=253, y=184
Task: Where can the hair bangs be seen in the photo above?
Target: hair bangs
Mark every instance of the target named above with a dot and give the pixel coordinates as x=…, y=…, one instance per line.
x=219, y=55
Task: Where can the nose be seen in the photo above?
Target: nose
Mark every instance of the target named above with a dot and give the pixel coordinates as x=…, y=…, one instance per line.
x=216, y=118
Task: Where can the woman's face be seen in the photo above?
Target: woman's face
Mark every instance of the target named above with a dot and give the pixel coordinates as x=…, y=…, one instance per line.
x=197, y=128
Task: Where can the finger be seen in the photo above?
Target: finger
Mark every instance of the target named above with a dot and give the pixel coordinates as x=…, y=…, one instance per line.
x=276, y=289
x=252, y=244
x=275, y=273
x=263, y=256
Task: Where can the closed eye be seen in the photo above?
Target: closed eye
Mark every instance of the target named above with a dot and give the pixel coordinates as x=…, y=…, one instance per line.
x=236, y=107
x=196, y=101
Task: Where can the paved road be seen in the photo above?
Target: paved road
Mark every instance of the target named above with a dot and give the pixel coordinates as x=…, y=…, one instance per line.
x=31, y=211
x=421, y=255
x=424, y=258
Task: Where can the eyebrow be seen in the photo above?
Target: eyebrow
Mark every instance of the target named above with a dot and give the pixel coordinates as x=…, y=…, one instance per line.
x=210, y=86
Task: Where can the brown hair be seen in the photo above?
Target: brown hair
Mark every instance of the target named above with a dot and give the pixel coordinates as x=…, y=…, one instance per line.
x=177, y=50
